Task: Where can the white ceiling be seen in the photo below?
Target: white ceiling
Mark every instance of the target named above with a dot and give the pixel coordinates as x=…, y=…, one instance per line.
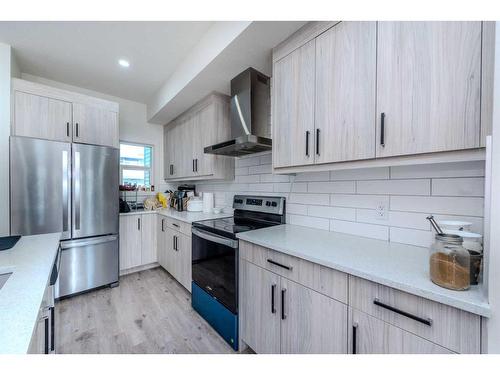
x=86, y=54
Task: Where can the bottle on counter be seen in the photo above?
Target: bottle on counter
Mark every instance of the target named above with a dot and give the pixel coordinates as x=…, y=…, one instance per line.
x=449, y=262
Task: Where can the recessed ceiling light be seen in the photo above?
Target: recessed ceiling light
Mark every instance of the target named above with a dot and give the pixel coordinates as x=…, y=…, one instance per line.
x=124, y=63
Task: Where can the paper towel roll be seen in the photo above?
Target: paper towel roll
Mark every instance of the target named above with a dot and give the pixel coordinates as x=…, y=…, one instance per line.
x=208, y=202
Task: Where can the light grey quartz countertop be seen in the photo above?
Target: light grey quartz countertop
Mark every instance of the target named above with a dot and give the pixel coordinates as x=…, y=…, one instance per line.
x=399, y=266
x=186, y=216
x=30, y=262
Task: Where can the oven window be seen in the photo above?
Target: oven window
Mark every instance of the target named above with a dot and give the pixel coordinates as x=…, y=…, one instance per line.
x=215, y=269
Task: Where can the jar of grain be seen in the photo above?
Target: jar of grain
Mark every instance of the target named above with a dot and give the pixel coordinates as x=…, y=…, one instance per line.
x=450, y=262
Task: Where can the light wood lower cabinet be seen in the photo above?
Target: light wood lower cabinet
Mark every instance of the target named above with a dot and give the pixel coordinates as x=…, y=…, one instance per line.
x=369, y=335
x=138, y=242
x=174, y=251
x=280, y=316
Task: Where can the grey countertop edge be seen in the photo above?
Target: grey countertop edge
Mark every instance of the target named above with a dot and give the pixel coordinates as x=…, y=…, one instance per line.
x=476, y=307
x=26, y=291
x=185, y=216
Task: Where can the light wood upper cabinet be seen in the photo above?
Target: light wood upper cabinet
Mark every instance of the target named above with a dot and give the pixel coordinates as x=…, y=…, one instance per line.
x=345, y=92
x=313, y=323
x=293, y=107
x=259, y=317
x=41, y=117
x=95, y=125
x=185, y=138
x=428, y=86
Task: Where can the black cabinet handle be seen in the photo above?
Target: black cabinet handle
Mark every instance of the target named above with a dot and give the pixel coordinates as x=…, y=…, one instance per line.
x=382, y=129
x=283, y=315
x=193, y=165
x=354, y=337
x=163, y=225
x=427, y=322
x=52, y=329
x=307, y=142
x=77, y=130
x=317, y=142
x=175, y=225
x=289, y=268
x=46, y=349
x=173, y=242
x=138, y=223
x=67, y=129
x=196, y=165
x=273, y=291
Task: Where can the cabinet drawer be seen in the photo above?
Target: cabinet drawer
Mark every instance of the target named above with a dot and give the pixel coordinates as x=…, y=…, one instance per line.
x=452, y=328
x=322, y=279
x=179, y=226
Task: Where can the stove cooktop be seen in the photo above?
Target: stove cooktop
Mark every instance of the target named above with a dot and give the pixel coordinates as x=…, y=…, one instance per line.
x=230, y=225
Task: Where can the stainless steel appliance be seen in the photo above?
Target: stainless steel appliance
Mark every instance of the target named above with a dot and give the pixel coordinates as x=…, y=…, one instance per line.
x=250, y=116
x=215, y=260
x=73, y=189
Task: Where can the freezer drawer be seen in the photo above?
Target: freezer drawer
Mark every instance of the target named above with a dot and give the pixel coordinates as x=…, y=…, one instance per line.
x=86, y=264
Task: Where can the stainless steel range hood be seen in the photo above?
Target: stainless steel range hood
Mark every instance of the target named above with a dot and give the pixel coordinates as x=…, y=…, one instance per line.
x=250, y=116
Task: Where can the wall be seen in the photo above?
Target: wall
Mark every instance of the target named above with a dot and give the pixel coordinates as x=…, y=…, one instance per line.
x=133, y=124
x=8, y=68
x=345, y=201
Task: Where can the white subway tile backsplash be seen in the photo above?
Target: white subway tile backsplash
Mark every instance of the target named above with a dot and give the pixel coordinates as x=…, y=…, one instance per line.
x=319, y=199
x=463, y=169
x=439, y=205
x=360, y=174
x=260, y=169
x=359, y=201
x=458, y=187
x=412, y=220
x=313, y=176
x=332, y=187
x=412, y=236
x=378, y=232
x=346, y=201
x=308, y=221
x=394, y=187
x=340, y=213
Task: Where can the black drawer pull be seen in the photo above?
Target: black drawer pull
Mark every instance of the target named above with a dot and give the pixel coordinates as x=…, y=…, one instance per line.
x=354, y=337
x=273, y=292
x=175, y=225
x=427, y=322
x=283, y=315
x=289, y=268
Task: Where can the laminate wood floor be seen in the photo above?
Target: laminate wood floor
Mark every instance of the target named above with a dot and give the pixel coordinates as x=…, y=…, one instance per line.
x=149, y=312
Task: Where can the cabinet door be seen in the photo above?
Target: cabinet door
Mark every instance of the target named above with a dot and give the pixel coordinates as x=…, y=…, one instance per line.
x=428, y=86
x=345, y=92
x=130, y=241
x=170, y=252
x=183, y=258
x=204, y=134
x=293, y=108
x=148, y=238
x=369, y=335
x=311, y=322
x=259, y=319
x=40, y=117
x=95, y=125
x=161, y=241
x=171, y=168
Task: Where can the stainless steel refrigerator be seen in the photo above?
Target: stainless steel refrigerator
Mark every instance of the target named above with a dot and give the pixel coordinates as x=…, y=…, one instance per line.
x=73, y=189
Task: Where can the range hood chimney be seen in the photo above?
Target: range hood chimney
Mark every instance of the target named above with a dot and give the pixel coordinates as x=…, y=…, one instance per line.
x=250, y=116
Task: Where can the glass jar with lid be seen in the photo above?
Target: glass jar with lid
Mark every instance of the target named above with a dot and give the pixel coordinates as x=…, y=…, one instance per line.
x=449, y=262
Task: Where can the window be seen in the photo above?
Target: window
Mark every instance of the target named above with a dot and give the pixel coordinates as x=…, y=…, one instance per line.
x=136, y=164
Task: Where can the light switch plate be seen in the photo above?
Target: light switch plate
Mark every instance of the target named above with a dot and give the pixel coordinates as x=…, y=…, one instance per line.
x=381, y=211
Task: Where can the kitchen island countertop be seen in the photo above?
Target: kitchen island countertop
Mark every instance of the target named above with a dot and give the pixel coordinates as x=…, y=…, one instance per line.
x=30, y=262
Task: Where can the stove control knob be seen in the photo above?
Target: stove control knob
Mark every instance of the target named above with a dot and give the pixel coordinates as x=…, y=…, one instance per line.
x=274, y=204
x=268, y=204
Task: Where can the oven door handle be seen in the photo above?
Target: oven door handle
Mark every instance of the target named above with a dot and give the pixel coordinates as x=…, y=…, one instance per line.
x=215, y=238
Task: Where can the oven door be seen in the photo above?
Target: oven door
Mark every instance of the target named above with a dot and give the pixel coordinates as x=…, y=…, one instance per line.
x=215, y=266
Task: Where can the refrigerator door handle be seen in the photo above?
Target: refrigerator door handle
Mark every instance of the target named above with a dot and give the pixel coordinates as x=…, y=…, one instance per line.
x=77, y=190
x=65, y=190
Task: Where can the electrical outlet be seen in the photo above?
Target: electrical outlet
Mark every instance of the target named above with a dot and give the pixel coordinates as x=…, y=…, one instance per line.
x=381, y=211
